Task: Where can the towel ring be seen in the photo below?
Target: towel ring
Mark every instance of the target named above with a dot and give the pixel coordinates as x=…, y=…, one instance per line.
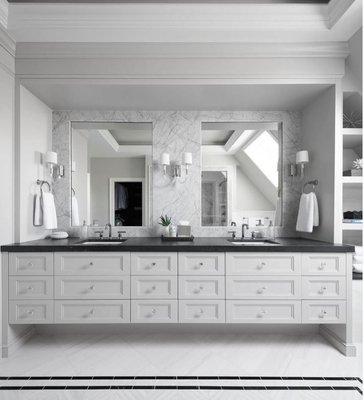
x=41, y=183
x=314, y=183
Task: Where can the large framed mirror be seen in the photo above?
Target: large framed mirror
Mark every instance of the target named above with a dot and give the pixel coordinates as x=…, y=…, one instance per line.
x=111, y=173
x=241, y=177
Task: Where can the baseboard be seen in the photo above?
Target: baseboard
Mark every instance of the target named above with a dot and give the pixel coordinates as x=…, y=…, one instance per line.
x=349, y=350
x=18, y=342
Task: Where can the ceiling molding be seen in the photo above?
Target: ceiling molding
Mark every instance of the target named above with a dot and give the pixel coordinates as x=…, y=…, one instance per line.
x=169, y=22
x=180, y=50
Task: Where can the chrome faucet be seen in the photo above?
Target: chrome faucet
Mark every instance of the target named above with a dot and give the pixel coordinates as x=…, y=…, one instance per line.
x=110, y=229
x=243, y=226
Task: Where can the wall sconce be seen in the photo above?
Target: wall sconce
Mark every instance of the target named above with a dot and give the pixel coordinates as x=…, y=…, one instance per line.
x=50, y=158
x=302, y=159
x=176, y=168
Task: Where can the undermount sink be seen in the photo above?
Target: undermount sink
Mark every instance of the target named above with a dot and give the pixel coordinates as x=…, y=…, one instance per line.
x=253, y=242
x=95, y=241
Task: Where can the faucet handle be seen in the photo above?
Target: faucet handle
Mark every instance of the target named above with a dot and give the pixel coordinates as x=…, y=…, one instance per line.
x=120, y=234
x=101, y=234
x=233, y=234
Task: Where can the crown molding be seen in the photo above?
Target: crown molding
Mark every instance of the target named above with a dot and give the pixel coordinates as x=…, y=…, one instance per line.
x=4, y=12
x=169, y=22
x=180, y=50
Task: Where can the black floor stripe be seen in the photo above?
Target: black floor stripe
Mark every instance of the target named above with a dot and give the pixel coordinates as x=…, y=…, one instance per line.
x=178, y=387
x=123, y=377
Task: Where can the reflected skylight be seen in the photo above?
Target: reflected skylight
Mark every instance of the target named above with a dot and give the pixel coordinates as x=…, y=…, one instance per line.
x=264, y=152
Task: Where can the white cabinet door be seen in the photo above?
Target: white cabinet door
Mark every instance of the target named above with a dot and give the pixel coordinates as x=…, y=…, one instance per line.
x=31, y=264
x=264, y=312
x=31, y=311
x=154, y=311
x=201, y=287
x=201, y=311
x=153, y=263
x=92, y=263
x=263, y=264
x=324, y=287
x=323, y=264
x=323, y=311
x=201, y=263
x=92, y=311
x=154, y=287
x=265, y=287
x=92, y=287
x=30, y=287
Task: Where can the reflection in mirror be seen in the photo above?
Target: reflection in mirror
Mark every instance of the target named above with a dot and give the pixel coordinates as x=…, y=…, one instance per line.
x=111, y=173
x=241, y=174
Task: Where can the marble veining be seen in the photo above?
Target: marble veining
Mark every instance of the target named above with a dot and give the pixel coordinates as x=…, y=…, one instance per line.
x=175, y=132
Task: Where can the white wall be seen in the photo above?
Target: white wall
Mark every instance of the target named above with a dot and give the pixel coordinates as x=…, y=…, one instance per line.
x=352, y=81
x=318, y=137
x=101, y=170
x=248, y=196
x=35, y=135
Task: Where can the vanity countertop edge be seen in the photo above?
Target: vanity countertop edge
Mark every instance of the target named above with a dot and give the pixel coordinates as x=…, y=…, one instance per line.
x=200, y=244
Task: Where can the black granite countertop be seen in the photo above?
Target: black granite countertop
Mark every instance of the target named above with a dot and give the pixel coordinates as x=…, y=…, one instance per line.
x=207, y=244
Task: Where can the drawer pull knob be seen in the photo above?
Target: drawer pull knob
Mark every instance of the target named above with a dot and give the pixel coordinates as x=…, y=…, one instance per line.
x=322, y=265
x=262, y=289
x=30, y=264
x=154, y=310
x=92, y=311
x=322, y=290
x=322, y=314
x=91, y=264
x=261, y=314
x=30, y=312
x=261, y=265
x=198, y=315
x=201, y=263
x=92, y=287
x=153, y=287
x=153, y=264
x=31, y=288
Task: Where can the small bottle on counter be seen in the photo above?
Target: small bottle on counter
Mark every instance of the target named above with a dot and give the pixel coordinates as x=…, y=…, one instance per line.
x=84, y=231
x=270, y=230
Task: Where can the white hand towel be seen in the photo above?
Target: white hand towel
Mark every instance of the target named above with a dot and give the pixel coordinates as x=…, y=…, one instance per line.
x=37, y=211
x=75, y=212
x=308, y=214
x=49, y=211
x=359, y=250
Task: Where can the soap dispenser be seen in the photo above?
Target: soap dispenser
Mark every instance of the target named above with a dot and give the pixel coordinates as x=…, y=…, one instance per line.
x=84, y=230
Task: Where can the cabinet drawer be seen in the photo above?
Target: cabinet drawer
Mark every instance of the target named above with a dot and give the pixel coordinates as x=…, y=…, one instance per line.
x=154, y=311
x=201, y=263
x=267, y=287
x=154, y=263
x=30, y=287
x=154, y=287
x=323, y=311
x=30, y=311
x=93, y=287
x=263, y=264
x=318, y=287
x=92, y=263
x=274, y=311
x=92, y=312
x=201, y=287
x=31, y=264
x=323, y=264
x=199, y=311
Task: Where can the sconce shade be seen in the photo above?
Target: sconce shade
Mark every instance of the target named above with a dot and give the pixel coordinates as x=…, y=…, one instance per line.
x=165, y=159
x=50, y=157
x=302, y=157
x=187, y=158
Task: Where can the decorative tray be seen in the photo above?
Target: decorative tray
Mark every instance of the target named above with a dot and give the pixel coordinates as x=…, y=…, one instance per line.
x=177, y=238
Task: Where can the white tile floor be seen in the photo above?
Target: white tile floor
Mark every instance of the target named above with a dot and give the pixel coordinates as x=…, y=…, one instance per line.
x=177, y=353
